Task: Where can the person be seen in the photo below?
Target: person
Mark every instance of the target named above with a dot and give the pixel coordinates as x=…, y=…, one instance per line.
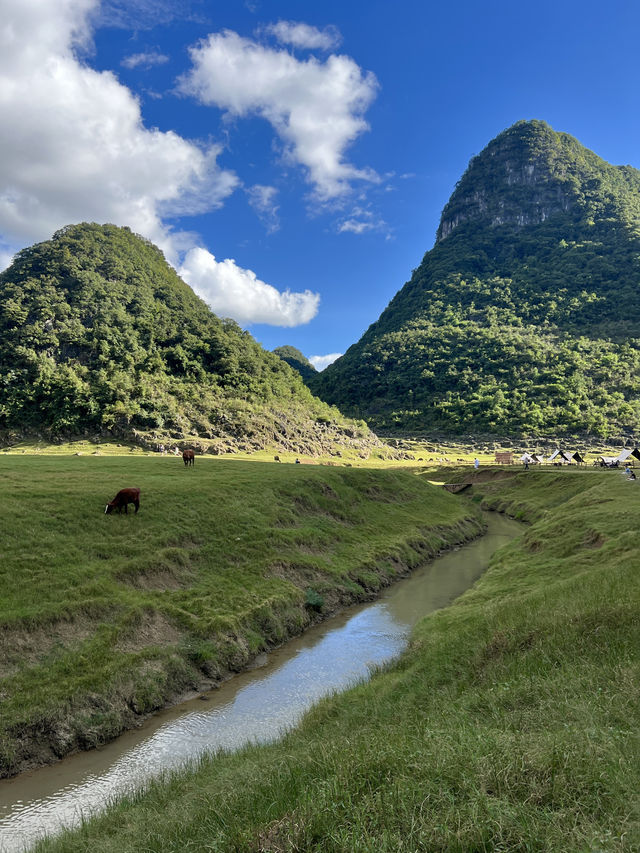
x=476, y=463
x=632, y=475
x=627, y=470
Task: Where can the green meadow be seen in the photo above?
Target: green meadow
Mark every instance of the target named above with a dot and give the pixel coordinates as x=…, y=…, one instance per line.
x=106, y=618
x=511, y=724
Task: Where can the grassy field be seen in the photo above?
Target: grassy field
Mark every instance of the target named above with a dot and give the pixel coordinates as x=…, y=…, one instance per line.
x=412, y=452
x=511, y=724
x=103, y=618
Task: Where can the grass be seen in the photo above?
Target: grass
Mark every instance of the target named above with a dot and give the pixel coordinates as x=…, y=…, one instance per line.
x=413, y=452
x=104, y=618
x=511, y=724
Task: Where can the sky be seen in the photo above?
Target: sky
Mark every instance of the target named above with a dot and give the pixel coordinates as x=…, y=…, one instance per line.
x=291, y=159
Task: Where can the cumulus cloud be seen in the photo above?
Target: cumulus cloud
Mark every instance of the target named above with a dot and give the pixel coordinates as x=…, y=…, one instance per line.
x=322, y=361
x=303, y=35
x=262, y=200
x=73, y=147
x=235, y=292
x=144, y=60
x=316, y=108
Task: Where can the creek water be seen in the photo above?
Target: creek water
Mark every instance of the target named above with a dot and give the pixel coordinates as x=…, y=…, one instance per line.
x=257, y=706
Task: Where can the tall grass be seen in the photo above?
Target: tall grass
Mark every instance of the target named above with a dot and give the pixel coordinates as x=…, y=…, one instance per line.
x=511, y=724
x=105, y=617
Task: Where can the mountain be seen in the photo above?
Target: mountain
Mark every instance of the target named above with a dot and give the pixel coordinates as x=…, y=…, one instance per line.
x=524, y=318
x=99, y=336
x=297, y=360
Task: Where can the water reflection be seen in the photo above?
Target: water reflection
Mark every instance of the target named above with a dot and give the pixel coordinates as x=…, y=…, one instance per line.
x=256, y=706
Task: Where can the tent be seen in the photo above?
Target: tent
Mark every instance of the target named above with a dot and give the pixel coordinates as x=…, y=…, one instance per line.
x=608, y=461
x=628, y=454
x=531, y=459
x=561, y=457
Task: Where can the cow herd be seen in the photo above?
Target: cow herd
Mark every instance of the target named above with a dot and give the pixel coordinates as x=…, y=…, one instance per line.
x=131, y=495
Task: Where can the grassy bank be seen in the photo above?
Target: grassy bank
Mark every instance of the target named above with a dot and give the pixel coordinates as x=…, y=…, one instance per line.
x=510, y=725
x=105, y=618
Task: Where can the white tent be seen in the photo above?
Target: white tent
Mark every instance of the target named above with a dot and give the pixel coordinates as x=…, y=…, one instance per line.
x=608, y=460
x=624, y=455
x=560, y=457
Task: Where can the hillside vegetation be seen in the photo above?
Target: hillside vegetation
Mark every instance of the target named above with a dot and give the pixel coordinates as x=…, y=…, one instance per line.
x=99, y=336
x=511, y=724
x=297, y=360
x=103, y=618
x=525, y=316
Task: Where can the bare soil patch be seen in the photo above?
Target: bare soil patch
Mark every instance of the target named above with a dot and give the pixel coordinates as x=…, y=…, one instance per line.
x=20, y=647
x=154, y=630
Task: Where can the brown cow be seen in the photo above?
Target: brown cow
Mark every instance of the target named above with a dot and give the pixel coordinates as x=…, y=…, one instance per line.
x=188, y=457
x=122, y=499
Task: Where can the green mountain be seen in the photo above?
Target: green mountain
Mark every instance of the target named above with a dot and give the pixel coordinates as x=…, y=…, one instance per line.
x=524, y=318
x=98, y=335
x=297, y=360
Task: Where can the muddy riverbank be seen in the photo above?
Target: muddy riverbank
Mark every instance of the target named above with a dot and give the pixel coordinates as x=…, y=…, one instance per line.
x=256, y=705
x=105, y=620
x=48, y=744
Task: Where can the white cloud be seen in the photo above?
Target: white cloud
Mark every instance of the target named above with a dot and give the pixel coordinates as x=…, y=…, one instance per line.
x=235, y=292
x=262, y=200
x=303, y=35
x=146, y=14
x=355, y=226
x=73, y=147
x=361, y=220
x=146, y=60
x=322, y=361
x=316, y=108
x=73, y=142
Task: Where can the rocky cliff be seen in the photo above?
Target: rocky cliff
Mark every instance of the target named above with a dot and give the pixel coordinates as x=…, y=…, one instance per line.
x=526, y=175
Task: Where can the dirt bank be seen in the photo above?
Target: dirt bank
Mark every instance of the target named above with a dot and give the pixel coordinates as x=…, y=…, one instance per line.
x=89, y=719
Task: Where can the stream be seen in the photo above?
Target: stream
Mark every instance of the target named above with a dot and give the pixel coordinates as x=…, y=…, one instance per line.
x=256, y=706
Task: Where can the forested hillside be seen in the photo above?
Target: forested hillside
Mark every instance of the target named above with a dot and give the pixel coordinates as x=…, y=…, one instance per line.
x=525, y=316
x=99, y=335
x=297, y=360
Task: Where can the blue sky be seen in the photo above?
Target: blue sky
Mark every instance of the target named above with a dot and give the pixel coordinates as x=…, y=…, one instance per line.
x=291, y=159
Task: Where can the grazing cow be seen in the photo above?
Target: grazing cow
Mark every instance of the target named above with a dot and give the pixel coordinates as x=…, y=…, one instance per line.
x=188, y=457
x=122, y=499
